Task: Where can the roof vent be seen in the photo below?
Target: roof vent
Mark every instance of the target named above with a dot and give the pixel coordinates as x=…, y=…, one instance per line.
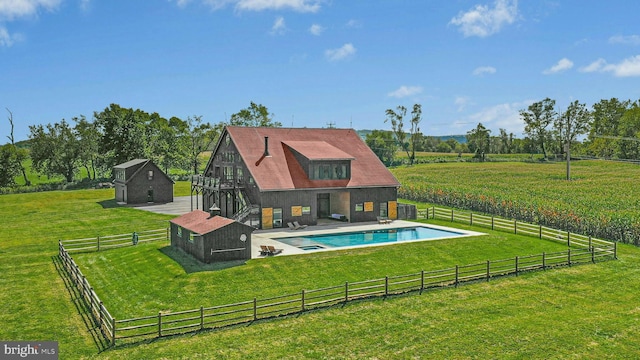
x=214, y=211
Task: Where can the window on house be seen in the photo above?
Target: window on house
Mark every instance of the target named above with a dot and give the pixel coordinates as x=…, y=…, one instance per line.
x=277, y=217
x=150, y=175
x=228, y=173
x=383, y=209
x=180, y=232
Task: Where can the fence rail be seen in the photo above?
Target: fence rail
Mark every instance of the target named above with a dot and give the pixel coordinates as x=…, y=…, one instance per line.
x=581, y=249
x=115, y=241
x=516, y=227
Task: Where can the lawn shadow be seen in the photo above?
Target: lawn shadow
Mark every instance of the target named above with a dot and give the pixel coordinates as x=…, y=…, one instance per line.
x=192, y=265
x=81, y=306
x=109, y=204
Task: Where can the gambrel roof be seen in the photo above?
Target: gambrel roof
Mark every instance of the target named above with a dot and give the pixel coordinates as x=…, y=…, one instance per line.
x=282, y=171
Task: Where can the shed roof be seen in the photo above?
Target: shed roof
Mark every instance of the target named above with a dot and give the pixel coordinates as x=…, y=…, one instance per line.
x=201, y=222
x=281, y=170
x=130, y=163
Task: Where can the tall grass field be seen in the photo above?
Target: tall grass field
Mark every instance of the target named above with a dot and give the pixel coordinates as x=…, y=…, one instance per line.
x=586, y=311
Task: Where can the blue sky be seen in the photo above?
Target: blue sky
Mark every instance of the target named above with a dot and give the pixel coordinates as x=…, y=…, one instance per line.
x=314, y=62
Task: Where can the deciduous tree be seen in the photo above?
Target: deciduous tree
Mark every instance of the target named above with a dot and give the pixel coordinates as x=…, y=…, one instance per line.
x=397, y=124
x=382, y=144
x=254, y=115
x=55, y=149
x=537, y=118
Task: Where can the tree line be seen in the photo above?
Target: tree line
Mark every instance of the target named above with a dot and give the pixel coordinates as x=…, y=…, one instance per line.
x=609, y=130
x=116, y=135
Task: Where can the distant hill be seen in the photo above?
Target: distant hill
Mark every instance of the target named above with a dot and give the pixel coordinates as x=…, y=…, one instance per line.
x=462, y=139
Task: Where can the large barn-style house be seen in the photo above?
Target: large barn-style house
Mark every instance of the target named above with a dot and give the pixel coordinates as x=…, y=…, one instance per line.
x=269, y=177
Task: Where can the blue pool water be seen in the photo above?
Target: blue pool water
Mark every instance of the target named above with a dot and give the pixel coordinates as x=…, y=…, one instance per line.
x=316, y=242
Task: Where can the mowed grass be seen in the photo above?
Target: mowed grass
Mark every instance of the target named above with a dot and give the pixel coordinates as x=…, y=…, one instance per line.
x=587, y=311
x=142, y=280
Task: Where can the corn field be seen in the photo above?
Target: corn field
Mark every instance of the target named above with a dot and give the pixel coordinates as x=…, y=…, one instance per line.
x=602, y=199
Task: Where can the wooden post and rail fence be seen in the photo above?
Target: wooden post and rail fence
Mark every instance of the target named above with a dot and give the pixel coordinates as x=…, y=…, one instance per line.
x=581, y=249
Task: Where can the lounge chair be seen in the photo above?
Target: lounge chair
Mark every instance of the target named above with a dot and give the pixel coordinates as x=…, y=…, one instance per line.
x=298, y=226
x=291, y=226
x=384, y=220
x=264, y=250
x=273, y=250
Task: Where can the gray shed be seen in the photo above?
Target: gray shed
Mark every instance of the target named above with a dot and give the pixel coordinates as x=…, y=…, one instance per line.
x=141, y=181
x=210, y=238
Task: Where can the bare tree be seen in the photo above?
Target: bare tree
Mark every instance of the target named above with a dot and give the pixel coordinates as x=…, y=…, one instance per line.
x=20, y=154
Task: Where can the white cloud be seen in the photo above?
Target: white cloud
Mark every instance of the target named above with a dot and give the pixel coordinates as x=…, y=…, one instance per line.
x=479, y=71
x=630, y=39
x=341, y=53
x=279, y=27
x=316, y=29
x=11, y=9
x=594, y=66
x=404, y=91
x=6, y=39
x=354, y=24
x=483, y=21
x=502, y=116
x=562, y=65
x=628, y=67
x=461, y=102
x=260, y=5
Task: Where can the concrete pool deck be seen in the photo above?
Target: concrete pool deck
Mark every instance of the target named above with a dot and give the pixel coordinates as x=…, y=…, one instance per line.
x=267, y=237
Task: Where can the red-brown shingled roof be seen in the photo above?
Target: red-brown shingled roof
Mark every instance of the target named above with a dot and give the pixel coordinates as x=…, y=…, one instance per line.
x=280, y=170
x=201, y=222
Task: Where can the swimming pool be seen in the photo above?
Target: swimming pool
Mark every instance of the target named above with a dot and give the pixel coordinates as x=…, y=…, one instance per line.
x=364, y=238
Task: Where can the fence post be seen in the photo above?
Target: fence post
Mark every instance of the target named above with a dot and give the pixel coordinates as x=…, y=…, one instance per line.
x=593, y=257
x=159, y=323
x=590, y=246
x=615, y=251
x=113, y=331
x=540, y=231
x=457, y=273
x=544, y=261
x=201, y=317
x=386, y=285
x=516, y=266
x=302, y=297
x=492, y=223
x=569, y=257
x=91, y=299
x=255, y=308
x=98, y=242
x=346, y=291
x=488, y=269
x=451, y=215
x=515, y=226
x=568, y=239
x=421, y=281
x=471, y=219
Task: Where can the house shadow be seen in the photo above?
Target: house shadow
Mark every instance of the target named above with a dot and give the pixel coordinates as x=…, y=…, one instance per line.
x=192, y=265
x=109, y=204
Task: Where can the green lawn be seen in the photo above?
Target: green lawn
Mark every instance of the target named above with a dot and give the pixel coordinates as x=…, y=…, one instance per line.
x=143, y=280
x=587, y=311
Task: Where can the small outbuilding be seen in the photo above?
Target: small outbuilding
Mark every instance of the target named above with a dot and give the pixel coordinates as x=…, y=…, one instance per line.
x=210, y=238
x=141, y=181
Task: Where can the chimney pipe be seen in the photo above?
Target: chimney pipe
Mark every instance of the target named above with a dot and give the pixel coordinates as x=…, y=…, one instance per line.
x=266, y=147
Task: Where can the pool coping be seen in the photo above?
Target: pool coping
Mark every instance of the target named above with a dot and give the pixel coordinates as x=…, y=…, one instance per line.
x=267, y=237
